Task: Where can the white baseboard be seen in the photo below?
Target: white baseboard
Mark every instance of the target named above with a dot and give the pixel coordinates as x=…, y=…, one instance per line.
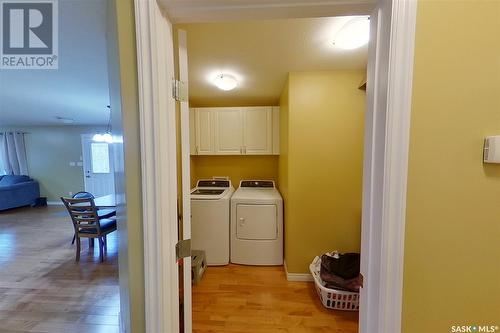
x=297, y=277
x=55, y=203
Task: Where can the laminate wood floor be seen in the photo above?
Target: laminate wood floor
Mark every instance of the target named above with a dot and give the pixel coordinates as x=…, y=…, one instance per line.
x=251, y=299
x=42, y=288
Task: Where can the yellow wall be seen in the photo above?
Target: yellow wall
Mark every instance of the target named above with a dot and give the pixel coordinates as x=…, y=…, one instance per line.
x=323, y=164
x=284, y=156
x=236, y=167
x=452, y=246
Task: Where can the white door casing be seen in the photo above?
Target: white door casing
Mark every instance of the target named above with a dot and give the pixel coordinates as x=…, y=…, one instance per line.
x=155, y=62
x=186, y=178
x=389, y=87
x=98, y=166
x=385, y=166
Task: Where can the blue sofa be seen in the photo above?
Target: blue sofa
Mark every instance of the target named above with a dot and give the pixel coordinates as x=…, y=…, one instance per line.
x=17, y=191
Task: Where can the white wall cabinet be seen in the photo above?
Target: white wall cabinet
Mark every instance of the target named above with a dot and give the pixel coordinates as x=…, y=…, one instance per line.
x=257, y=131
x=235, y=131
x=228, y=131
x=204, y=131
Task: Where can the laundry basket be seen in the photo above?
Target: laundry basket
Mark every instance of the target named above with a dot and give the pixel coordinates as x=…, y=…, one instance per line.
x=332, y=298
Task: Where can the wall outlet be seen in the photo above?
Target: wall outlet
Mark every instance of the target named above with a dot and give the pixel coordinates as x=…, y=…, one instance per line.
x=79, y=164
x=72, y=163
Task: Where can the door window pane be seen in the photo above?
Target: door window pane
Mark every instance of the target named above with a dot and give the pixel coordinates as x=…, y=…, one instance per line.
x=100, y=157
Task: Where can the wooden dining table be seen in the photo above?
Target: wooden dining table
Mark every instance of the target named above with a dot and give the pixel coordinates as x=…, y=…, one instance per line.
x=106, y=201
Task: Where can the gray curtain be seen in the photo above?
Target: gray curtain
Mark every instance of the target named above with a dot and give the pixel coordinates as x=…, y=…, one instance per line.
x=13, y=153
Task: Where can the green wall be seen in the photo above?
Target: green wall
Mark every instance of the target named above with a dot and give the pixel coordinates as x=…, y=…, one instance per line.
x=49, y=150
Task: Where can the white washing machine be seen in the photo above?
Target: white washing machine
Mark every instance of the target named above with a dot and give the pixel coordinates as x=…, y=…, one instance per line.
x=210, y=204
x=257, y=224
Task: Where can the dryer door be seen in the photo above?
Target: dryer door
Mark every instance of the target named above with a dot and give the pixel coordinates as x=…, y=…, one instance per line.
x=256, y=222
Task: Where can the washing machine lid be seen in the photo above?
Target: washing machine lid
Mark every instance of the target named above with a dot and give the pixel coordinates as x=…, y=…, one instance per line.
x=207, y=191
x=211, y=189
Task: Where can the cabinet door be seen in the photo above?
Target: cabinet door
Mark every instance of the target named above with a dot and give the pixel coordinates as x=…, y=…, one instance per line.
x=192, y=132
x=204, y=131
x=228, y=131
x=257, y=131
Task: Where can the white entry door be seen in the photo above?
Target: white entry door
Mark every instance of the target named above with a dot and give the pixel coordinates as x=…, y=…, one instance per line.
x=98, y=171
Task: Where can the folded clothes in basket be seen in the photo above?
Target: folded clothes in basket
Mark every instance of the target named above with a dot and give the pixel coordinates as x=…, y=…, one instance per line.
x=341, y=271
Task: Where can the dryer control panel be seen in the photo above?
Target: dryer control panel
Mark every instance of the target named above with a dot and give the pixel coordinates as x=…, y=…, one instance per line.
x=257, y=183
x=213, y=183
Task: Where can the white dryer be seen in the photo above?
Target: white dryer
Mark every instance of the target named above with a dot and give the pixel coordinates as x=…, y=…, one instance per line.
x=257, y=224
x=210, y=204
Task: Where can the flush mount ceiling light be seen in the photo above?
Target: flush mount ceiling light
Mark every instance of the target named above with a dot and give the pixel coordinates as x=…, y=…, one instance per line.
x=355, y=33
x=225, y=82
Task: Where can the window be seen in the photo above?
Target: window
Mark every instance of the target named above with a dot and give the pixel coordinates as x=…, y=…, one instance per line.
x=100, y=157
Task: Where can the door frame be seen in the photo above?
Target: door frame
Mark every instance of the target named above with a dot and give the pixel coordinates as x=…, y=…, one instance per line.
x=155, y=64
x=385, y=168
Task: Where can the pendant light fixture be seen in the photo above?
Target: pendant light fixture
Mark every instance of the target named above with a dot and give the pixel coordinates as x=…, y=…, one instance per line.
x=106, y=136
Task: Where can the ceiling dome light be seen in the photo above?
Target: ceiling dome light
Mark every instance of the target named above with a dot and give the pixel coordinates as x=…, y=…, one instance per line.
x=355, y=33
x=225, y=82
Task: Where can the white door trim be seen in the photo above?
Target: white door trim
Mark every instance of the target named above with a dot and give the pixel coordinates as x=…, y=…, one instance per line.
x=384, y=215
x=186, y=177
x=387, y=142
x=159, y=175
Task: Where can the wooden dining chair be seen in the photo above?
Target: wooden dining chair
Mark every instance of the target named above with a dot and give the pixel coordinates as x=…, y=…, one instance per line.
x=88, y=224
x=103, y=213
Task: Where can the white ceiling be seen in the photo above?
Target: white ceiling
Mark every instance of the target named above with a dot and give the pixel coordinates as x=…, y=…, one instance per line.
x=190, y=11
x=261, y=54
x=78, y=89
